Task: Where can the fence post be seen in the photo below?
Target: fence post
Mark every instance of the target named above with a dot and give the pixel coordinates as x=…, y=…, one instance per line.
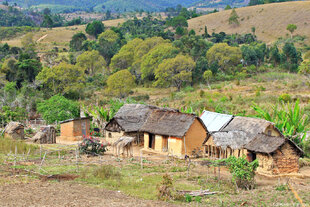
x=28, y=154
x=15, y=156
x=141, y=159
x=77, y=159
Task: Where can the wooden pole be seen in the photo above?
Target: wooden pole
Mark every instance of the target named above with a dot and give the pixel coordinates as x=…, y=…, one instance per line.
x=15, y=156
x=141, y=159
x=42, y=161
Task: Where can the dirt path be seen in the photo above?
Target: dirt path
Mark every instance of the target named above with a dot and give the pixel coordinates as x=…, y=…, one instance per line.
x=67, y=194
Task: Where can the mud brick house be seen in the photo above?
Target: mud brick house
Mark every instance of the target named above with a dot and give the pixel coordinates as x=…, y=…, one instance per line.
x=74, y=129
x=275, y=155
x=174, y=132
x=232, y=138
x=128, y=122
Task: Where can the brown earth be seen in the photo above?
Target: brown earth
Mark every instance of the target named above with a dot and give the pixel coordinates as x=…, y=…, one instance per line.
x=67, y=194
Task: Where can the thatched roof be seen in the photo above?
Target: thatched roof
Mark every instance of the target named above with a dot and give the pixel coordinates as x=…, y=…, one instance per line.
x=131, y=117
x=231, y=139
x=13, y=127
x=249, y=125
x=268, y=144
x=169, y=123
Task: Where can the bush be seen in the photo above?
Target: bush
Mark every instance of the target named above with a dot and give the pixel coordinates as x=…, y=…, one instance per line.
x=92, y=146
x=242, y=171
x=188, y=198
x=285, y=98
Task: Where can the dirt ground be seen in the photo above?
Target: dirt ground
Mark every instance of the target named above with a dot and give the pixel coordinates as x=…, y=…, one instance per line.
x=67, y=194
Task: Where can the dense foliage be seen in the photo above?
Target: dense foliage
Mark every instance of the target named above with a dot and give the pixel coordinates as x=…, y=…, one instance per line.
x=92, y=146
x=242, y=171
x=58, y=108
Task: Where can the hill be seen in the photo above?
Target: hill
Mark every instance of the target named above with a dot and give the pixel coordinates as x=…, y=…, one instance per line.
x=269, y=20
x=57, y=37
x=101, y=5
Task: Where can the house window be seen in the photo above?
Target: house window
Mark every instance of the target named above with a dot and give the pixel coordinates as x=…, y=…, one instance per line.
x=110, y=135
x=269, y=132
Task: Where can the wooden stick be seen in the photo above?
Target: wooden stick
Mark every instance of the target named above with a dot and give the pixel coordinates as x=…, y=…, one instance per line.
x=141, y=159
x=42, y=161
x=28, y=153
x=15, y=155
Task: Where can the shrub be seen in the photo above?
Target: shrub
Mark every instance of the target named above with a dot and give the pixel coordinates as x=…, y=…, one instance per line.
x=282, y=188
x=92, y=146
x=165, y=188
x=242, y=171
x=188, y=198
x=285, y=98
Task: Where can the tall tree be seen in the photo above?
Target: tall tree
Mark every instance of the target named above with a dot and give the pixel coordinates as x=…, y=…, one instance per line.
x=76, y=43
x=92, y=62
x=234, y=18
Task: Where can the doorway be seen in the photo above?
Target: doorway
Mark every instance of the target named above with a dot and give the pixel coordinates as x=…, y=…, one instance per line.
x=165, y=144
x=152, y=141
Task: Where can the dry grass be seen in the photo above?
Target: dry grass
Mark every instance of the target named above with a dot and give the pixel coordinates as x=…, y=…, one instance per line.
x=58, y=37
x=270, y=20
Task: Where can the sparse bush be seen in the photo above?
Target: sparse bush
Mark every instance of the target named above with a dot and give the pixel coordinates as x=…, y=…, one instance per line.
x=201, y=93
x=164, y=189
x=188, y=198
x=282, y=187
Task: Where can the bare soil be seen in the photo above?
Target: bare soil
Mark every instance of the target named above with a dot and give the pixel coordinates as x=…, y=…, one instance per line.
x=67, y=194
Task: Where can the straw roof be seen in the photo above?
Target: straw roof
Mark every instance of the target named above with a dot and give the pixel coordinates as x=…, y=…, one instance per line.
x=169, y=123
x=250, y=125
x=231, y=139
x=131, y=117
x=268, y=144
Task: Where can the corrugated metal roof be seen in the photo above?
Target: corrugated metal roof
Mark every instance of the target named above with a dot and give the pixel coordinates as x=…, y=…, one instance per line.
x=215, y=121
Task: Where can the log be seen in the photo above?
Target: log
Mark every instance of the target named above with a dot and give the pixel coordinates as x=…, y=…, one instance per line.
x=196, y=192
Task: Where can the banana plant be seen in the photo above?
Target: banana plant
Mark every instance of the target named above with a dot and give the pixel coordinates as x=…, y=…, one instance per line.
x=288, y=118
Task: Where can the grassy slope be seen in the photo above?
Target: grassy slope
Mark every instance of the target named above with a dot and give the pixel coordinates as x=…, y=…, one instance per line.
x=270, y=20
x=58, y=37
x=230, y=97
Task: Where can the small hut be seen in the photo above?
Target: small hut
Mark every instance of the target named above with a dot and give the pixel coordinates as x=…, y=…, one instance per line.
x=232, y=138
x=275, y=155
x=46, y=135
x=75, y=129
x=128, y=121
x=14, y=130
x=174, y=132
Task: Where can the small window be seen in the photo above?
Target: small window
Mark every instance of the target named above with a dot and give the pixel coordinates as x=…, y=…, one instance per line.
x=269, y=132
x=110, y=135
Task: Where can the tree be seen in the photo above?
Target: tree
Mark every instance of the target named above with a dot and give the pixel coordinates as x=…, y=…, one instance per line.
x=109, y=35
x=291, y=28
x=228, y=7
x=63, y=78
x=180, y=31
x=47, y=21
x=234, y=18
x=125, y=57
x=95, y=28
x=92, y=62
x=120, y=83
x=154, y=57
x=224, y=55
x=178, y=21
x=291, y=57
x=175, y=71
x=206, y=35
x=253, y=29
x=207, y=75
x=275, y=56
x=76, y=43
x=58, y=108
x=192, y=32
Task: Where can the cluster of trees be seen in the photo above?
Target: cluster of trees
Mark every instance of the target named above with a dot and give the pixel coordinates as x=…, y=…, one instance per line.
x=258, y=2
